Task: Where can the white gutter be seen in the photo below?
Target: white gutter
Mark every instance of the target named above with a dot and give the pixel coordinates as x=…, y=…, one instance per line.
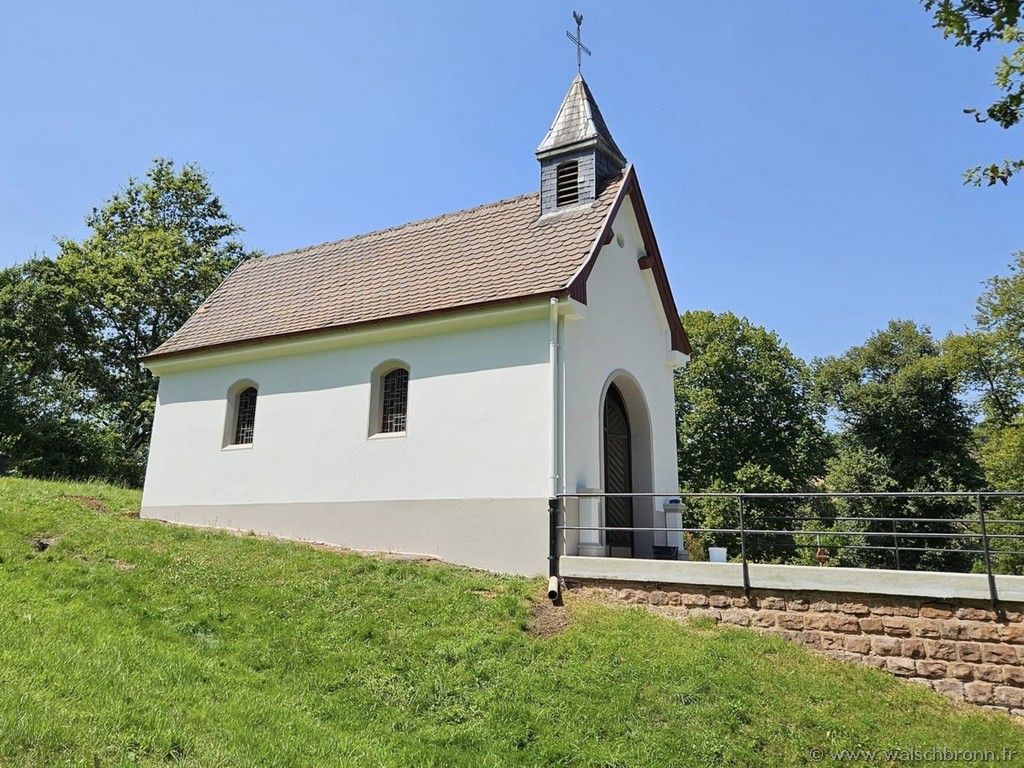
x=553, y=359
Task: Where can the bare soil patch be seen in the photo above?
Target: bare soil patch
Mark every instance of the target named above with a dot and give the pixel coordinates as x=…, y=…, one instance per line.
x=547, y=619
x=43, y=543
x=93, y=503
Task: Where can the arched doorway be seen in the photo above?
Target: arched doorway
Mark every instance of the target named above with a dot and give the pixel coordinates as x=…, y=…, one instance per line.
x=618, y=473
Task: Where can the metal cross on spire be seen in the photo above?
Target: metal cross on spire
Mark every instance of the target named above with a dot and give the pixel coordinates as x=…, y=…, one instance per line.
x=580, y=47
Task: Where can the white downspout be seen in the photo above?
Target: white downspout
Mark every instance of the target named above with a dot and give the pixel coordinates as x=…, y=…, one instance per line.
x=553, y=581
x=553, y=359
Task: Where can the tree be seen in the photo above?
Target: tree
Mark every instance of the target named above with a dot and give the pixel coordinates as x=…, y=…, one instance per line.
x=903, y=427
x=990, y=361
x=976, y=23
x=744, y=422
x=156, y=249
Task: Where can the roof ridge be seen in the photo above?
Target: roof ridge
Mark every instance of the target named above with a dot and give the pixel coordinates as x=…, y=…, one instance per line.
x=386, y=230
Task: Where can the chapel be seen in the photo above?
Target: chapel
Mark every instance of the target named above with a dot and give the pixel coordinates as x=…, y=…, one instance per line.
x=426, y=389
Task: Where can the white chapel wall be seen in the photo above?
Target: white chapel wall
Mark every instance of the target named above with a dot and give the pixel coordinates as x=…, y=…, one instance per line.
x=467, y=481
x=623, y=330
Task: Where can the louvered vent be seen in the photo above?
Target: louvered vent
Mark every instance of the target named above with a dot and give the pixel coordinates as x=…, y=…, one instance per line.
x=568, y=189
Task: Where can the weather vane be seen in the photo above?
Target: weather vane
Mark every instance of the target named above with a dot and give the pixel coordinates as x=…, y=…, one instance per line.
x=580, y=47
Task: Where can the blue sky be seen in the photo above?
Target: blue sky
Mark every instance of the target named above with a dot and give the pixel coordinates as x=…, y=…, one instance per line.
x=801, y=159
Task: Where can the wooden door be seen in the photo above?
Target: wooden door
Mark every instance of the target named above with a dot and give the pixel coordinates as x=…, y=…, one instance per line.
x=618, y=473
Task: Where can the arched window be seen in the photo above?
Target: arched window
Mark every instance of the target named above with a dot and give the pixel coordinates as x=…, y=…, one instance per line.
x=245, y=417
x=394, y=399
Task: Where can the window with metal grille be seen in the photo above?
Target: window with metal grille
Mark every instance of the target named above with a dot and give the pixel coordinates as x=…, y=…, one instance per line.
x=245, y=417
x=394, y=400
x=567, y=189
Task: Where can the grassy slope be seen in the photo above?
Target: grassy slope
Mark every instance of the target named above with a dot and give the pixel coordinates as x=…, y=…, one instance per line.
x=128, y=641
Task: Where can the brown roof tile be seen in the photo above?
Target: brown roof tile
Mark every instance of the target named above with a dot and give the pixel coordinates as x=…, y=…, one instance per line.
x=498, y=252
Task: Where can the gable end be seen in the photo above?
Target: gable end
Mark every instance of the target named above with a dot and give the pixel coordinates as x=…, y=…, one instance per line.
x=651, y=260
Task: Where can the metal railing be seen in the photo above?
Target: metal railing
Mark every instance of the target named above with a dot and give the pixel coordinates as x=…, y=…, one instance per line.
x=910, y=539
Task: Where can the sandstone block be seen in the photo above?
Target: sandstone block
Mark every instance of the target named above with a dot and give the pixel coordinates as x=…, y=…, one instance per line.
x=978, y=692
x=936, y=611
x=797, y=605
x=674, y=598
x=740, y=602
x=857, y=609
x=1012, y=633
x=831, y=642
x=883, y=610
x=885, y=646
x=771, y=603
x=970, y=652
x=817, y=621
x=909, y=611
x=1013, y=676
x=960, y=671
x=931, y=668
x=857, y=644
x=659, y=598
x=810, y=639
x=897, y=626
x=718, y=601
x=988, y=632
x=762, y=620
x=988, y=672
x=940, y=649
x=625, y=594
x=900, y=666
x=823, y=606
x=953, y=630
x=954, y=689
x=1006, y=696
x=999, y=654
x=870, y=625
x=842, y=623
x=736, y=616
x=925, y=628
x=876, y=662
x=913, y=648
x=694, y=599
x=789, y=621
x=974, y=614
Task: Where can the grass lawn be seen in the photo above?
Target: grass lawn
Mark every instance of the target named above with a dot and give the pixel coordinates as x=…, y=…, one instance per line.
x=130, y=642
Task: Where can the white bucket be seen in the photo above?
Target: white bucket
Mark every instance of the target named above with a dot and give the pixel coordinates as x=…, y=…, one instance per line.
x=718, y=555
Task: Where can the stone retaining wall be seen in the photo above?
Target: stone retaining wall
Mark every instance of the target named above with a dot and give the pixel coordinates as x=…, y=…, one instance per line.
x=961, y=648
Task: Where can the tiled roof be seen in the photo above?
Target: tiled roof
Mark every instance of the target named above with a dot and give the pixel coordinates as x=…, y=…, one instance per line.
x=579, y=123
x=491, y=254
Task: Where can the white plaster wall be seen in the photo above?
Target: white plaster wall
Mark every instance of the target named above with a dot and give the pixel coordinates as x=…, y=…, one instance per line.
x=478, y=427
x=623, y=328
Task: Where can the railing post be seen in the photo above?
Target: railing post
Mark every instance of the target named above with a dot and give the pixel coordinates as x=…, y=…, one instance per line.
x=553, y=536
x=743, y=551
x=896, y=543
x=553, y=505
x=988, y=557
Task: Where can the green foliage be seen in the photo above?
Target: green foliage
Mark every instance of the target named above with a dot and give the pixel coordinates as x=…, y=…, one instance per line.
x=989, y=359
x=128, y=642
x=72, y=329
x=897, y=396
x=976, y=23
x=745, y=423
x=743, y=416
x=904, y=428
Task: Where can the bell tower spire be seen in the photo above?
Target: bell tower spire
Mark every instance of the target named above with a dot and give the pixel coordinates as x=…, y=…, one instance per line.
x=578, y=154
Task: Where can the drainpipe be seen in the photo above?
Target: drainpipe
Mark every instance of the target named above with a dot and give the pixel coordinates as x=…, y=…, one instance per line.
x=553, y=359
x=553, y=581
